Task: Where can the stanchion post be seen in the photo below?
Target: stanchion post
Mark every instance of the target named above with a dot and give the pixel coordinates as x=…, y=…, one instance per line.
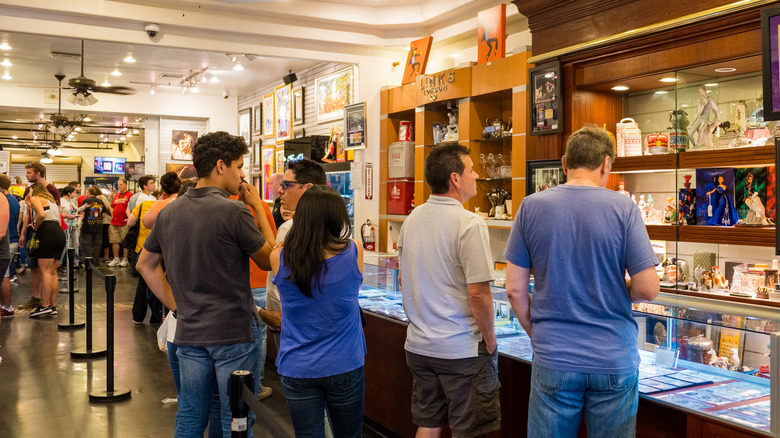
x=110, y=394
x=71, y=324
x=239, y=426
x=88, y=352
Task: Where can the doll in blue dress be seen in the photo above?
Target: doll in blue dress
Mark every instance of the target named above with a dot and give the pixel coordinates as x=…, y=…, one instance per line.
x=720, y=207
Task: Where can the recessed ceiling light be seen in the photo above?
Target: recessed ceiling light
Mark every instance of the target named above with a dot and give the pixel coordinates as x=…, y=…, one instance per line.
x=4, y=46
x=684, y=106
x=725, y=69
x=238, y=67
x=14, y=137
x=620, y=88
x=214, y=80
x=710, y=85
x=129, y=58
x=668, y=79
x=86, y=119
x=116, y=72
x=6, y=63
x=549, y=75
x=151, y=91
x=78, y=128
x=123, y=138
x=661, y=92
x=6, y=76
x=105, y=84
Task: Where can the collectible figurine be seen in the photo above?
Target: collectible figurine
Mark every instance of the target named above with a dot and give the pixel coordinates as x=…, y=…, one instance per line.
x=756, y=214
x=642, y=205
x=452, y=127
x=633, y=198
x=670, y=211
x=678, y=137
x=718, y=280
x=734, y=359
x=703, y=127
x=718, y=361
x=720, y=207
x=622, y=189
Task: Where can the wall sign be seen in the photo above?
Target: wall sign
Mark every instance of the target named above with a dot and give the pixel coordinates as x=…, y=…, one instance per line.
x=369, y=181
x=432, y=85
x=417, y=59
x=491, y=34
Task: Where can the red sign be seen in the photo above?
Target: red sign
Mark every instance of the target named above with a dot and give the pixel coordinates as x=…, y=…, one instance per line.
x=491, y=33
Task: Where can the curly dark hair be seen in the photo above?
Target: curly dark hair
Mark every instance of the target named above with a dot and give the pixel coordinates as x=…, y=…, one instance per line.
x=170, y=183
x=216, y=146
x=144, y=180
x=307, y=171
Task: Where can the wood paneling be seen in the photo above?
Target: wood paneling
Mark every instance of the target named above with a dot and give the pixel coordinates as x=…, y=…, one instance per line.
x=399, y=99
x=662, y=232
x=736, y=157
x=643, y=163
x=728, y=235
x=500, y=74
x=445, y=90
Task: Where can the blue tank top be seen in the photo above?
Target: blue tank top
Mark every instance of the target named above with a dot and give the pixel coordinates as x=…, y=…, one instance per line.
x=322, y=335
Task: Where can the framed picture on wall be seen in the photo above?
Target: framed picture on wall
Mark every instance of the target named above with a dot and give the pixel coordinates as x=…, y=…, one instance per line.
x=542, y=175
x=332, y=93
x=355, y=126
x=280, y=160
x=181, y=144
x=256, y=153
x=245, y=124
x=297, y=100
x=299, y=133
x=770, y=45
x=267, y=169
x=257, y=120
x=283, y=102
x=268, y=115
x=545, y=99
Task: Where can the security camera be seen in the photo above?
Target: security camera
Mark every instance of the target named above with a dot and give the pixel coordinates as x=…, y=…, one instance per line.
x=152, y=30
x=225, y=94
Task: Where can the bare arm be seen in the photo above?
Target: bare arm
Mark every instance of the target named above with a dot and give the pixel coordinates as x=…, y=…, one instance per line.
x=271, y=317
x=643, y=286
x=360, y=255
x=517, y=286
x=150, y=268
x=37, y=204
x=251, y=196
x=481, y=302
x=5, y=216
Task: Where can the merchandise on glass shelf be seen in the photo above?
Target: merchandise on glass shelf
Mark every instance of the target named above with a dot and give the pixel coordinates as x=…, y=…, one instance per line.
x=657, y=144
x=757, y=130
x=452, y=126
x=405, y=130
x=622, y=189
x=697, y=349
x=715, y=197
x=707, y=120
x=678, y=137
x=439, y=132
x=687, y=198
x=718, y=280
x=642, y=205
x=629, y=138
x=494, y=128
x=670, y=211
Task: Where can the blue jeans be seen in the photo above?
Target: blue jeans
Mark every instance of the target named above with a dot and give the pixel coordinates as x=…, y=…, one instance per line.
x=341, y=395
x=557, y=399
x=201, y=369
x=258, y=293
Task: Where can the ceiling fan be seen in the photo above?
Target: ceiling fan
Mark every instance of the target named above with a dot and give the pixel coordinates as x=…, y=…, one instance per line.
x=84, y=87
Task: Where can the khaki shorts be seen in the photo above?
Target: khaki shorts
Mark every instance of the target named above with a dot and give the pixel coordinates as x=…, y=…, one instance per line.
x=461, y=392
x=116, y=233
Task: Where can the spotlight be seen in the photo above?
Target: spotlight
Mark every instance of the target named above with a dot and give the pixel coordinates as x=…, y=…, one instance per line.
x=129, y=59
x=238, y=67
x=232, y=57
x=116, y=72
x=290, y=78
x=250, y=57
x=46, y=159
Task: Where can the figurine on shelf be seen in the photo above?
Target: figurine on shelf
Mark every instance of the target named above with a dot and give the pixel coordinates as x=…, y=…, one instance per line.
x=678, y=137
x=707, y=120
x=642, y=205
x=720, y=207
x=757, y=213
x=734, y=359
x=718, y=361
x=633, y=198
x=670, y=211
x=687, y=200
x=452, y=126
x=622, y=189
x=718, y=280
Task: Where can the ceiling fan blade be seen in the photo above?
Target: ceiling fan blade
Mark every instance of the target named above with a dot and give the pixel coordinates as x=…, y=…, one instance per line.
x=114, y=90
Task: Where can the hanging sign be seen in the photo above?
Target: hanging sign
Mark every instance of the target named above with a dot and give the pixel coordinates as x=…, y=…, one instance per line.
x=369, y=181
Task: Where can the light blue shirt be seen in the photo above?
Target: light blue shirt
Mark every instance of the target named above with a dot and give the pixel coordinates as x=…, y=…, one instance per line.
x=580, y=241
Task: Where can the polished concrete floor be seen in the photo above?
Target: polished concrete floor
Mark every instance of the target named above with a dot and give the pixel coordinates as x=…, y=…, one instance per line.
x=45, y=393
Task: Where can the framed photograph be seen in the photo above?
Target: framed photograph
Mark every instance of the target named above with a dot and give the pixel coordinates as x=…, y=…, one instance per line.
x=245, y=125
x=297, y=100
x=283, y=112
x=267, y=169
x=355, y=126
x=542, y=175
x=280, y=160
x=257, y=120
x=268, y=115
x=299, y=133
x=332, y=93
x=256, y=153
x=181, y=144
x=770, y=44
x=545, y=99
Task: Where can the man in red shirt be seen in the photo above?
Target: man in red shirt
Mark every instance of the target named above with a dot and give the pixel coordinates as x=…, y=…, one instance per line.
x=118, y=228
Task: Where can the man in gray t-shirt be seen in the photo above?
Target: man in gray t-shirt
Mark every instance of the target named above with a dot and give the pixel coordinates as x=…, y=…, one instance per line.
x=207, y=263
x=444, y=252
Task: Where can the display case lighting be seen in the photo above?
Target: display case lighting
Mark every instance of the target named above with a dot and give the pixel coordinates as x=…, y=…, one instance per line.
x=668, y=80
x=620, y=88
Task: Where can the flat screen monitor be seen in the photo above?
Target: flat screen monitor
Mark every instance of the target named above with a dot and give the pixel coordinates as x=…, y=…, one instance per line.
x=110, y=165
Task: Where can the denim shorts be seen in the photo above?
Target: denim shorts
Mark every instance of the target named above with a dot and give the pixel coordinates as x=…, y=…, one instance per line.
x=463, y=392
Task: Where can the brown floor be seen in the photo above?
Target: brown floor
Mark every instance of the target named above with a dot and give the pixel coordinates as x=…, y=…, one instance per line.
x=44, y=393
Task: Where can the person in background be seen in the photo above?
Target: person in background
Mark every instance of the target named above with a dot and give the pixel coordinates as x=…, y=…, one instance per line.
x=147, y=185
x=580, y=239
x=215, y=315
x=144, y=297
x=12, y=236
x=446, y=267
x=94, y=208
x=51, y=243
x=69, y=211
x=318, y=272
x=274, y=185
x=118, y=228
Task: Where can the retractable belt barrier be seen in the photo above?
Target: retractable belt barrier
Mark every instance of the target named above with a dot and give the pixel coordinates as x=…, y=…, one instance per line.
x=242, y=399
x=87, y=352
x=71, y=324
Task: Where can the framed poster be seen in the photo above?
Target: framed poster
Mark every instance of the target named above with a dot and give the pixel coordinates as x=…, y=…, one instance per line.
x=417, y=59
x=770, y=45
x=299, y=133
x=181, y=144
x=280, y=160
x=332, y=93
x=268, y=115
x=542, y=175
x=267, y=169
x=245, y=125
x=257, y=120
x=134, y=170
x=297, y=100
x=545, y=99
x=256, y=153
x=283, y=115
x=355, y=126
x=491, y=34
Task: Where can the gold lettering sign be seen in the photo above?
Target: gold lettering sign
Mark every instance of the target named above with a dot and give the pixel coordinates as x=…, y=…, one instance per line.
x=431, y=85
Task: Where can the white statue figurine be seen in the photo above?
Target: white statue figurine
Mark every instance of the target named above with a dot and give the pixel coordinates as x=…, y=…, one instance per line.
x=452, y=127
x=642, y=205
x=633, y=198
x=734, y=359
x=756, y=212
x=702, y=126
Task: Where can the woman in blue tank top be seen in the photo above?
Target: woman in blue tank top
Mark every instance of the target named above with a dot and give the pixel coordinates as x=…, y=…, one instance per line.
x=320, y=360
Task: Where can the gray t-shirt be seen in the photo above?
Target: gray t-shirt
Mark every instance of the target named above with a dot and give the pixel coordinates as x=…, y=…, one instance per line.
x=442, y=248
x=205, y=239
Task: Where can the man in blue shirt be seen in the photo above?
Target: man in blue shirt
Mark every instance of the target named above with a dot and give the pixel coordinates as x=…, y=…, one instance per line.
x=580, y=239
x=6, y=308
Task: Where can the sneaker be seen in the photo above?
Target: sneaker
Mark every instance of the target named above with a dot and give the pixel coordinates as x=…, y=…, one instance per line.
x=13, y=279
x=114, y=263
x=265, y=392
x=138, y=322
x=53, y=310
x=124, y=263
x=40, y=311
x=32, y=303
x=6, y=314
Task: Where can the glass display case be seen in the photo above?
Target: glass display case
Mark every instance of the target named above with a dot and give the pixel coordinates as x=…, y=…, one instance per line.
x=701, y=356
